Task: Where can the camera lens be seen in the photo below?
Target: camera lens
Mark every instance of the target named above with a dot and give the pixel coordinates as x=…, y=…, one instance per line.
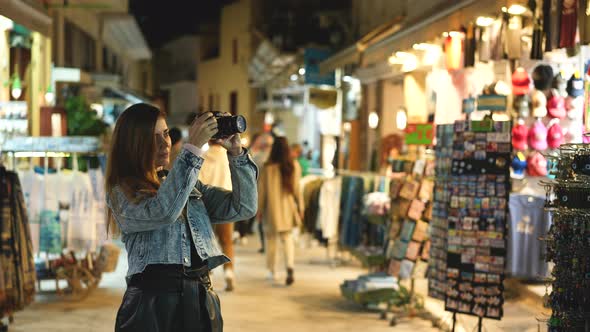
x=229, y=125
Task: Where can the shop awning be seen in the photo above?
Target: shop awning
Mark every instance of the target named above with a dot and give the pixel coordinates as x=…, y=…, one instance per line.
x=449, y=15
x=125, y=94
x=349, y=55
x=352, y=54
x=268, y=64
x=70, y=75
x=121, y=32
x=29, y=13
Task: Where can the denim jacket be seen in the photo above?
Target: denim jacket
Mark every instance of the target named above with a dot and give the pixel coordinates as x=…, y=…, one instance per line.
x=153, y=230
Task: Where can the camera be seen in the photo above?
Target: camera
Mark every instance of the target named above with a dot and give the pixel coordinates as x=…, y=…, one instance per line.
x=229, y=125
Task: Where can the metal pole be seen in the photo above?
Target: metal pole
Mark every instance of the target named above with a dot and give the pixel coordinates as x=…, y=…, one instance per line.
x=454, y=321
x=479, y=324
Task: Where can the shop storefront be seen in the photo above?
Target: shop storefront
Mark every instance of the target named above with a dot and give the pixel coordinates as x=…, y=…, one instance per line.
x=25, y=50
x=489, y=104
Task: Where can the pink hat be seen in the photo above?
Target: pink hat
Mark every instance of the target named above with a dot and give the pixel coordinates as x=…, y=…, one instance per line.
x=538, y=136
x=555, y=136
x=519, y=137
x=536, y=165
x=556, y=106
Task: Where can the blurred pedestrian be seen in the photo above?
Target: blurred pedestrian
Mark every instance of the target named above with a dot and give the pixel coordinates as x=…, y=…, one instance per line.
x=280, y=203
x=215, y=172
x=260, y=150
x=176, y=141
x=297, y=154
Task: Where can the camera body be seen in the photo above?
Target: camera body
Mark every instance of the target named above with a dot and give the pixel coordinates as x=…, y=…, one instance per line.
x=229, y=125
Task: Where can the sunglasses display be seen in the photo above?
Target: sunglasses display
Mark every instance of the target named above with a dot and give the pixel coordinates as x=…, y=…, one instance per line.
x=568, y=240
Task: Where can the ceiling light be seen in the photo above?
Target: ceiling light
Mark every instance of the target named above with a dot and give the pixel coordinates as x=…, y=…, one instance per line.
x=269, y=118
x=454, y=34
x=347, y=127
x=301, y=71
x=373, y=120
x=517, y=10
x=401, y=119
x=294, y=77
x=410, y=64
x=244, y=141
x=424, y=46
x=484, y=21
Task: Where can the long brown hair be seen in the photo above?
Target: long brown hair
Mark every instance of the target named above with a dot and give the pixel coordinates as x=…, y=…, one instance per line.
x=281, y=154
x=131, y=164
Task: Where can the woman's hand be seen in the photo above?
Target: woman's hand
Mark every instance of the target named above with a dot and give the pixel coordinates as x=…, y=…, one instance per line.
x=202, y=129
x=232, y=144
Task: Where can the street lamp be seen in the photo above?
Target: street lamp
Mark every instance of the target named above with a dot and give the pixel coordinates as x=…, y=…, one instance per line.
x=49, y=96
x=16, y=90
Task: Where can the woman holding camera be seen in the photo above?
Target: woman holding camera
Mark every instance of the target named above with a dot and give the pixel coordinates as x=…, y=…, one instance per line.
x=165, y=220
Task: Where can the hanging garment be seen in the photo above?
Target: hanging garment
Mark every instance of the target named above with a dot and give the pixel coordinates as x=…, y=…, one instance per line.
x=513, y=37
x=34, y=196
x=537, y=47
x=17, y=267
x=329, y=208
x=497, y=33
x=569, y=24
x=97, y=181
x=351, y=205
x=311, y=200
x=82, y=217
x=584, y=22
x=528, y=223
x=551, y=24
x=484, y=44
x=470, y=43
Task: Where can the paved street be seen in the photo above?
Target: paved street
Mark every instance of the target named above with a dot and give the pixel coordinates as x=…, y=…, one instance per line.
x=313, y=303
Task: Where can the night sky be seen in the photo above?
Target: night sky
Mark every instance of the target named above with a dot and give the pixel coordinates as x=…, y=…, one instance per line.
x=163, y=21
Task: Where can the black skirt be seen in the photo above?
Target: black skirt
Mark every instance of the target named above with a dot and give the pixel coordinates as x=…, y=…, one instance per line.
x=169, y=298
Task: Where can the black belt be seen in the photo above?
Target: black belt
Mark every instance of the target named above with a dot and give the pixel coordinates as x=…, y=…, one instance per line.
x=169, y=277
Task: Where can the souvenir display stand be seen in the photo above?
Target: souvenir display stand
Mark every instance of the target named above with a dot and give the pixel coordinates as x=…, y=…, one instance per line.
x=568, y=242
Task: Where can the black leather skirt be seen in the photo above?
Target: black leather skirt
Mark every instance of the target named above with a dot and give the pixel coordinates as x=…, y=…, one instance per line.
x=169, y=298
